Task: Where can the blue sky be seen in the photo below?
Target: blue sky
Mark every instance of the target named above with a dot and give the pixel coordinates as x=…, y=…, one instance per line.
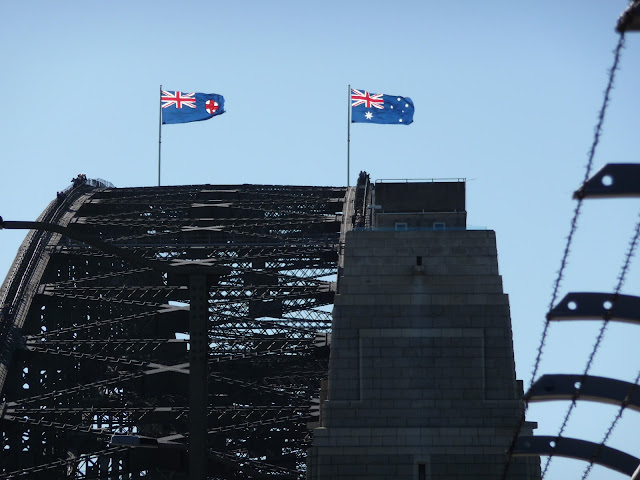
x=506, y=95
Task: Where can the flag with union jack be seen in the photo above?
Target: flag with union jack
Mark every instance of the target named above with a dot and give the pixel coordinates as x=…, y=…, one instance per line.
x=380, y=108
x=181, y=107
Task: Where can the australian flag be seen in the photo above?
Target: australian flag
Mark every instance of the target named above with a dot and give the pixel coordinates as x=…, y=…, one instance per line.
x=379, y=108
x=180, y=107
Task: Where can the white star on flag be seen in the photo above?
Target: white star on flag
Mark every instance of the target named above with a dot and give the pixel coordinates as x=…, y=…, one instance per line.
x=368, y=115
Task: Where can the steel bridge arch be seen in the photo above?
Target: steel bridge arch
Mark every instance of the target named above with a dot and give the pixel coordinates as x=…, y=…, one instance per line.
x=94, y=346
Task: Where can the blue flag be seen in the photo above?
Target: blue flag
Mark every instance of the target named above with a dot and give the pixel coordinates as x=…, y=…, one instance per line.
x=180, y=107
x=379, y=108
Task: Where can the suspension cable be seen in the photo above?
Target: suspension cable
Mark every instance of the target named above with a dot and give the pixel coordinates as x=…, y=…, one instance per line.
x=569, y=241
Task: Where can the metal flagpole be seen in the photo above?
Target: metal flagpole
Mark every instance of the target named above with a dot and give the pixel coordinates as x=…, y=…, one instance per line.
x=348, y=133
x=160, y=136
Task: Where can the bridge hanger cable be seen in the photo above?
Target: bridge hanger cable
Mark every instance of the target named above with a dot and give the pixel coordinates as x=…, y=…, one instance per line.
x=621, y=279
x=573, y=226
x=613, y=425
x=633, y=243
x=576, y=214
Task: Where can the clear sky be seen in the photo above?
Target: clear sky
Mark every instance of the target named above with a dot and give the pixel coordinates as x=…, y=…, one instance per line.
x=506, y=95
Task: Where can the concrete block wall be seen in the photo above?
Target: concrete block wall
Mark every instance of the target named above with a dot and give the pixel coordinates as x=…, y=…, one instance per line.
x=421, y=378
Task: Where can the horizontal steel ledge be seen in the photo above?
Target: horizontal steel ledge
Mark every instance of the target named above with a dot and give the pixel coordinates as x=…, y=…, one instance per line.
x=134, y=441
x=594, y=389
x=613, y=180
x=105, y=247
x=579, y=449
x=597, y=306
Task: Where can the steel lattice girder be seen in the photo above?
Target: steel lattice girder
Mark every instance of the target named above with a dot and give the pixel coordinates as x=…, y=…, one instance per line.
x=93, y=345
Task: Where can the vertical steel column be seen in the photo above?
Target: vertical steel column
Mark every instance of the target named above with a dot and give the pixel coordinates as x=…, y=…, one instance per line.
x=198, y=347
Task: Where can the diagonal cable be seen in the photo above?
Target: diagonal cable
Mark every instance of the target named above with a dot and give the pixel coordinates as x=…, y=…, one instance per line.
x=613, y=425
x=620, y=282
x=565, y=256
x=621, y=279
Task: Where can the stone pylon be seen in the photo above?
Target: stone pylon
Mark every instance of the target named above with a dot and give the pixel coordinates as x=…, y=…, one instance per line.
x=422, y=378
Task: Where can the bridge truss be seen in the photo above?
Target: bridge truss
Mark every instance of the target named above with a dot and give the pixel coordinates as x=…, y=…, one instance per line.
x=94, y=359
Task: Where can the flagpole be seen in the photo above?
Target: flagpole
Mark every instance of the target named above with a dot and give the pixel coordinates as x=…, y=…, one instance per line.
x=348, y=132
x=160, y=136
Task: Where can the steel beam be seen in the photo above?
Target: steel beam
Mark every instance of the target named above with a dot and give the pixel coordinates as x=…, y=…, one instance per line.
x=198, y=375
x=630, y=18
x=584, y=387
x=597, y=306
x=579, y=449
x=612, y=180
